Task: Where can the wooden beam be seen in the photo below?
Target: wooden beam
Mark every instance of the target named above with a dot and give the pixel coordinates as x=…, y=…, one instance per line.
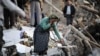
x=90, y=9
x=82, y=26
x=82, y=36
x=53, y=6
x=95, y=44
x=86, y=39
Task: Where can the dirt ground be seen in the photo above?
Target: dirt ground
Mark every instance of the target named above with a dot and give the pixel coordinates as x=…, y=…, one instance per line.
x=49, y=10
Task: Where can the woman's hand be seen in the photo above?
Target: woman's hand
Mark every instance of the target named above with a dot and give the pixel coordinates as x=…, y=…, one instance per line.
x=61, y=41
x=51, y=22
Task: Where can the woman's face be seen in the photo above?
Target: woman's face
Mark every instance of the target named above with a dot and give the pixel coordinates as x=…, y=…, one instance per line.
x=53, y=20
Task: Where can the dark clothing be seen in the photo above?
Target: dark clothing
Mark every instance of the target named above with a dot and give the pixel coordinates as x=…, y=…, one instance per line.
x=41, y=39
x=43, y=15
x=21, y=54
x=1, y=39
x=72, y=10
x=1, y=52
x=21, y=3
x=9, y=18
x=34, y=0
x=65, y=0
x=69, y=18
x=35, y=19
x=0, y=1
x=1, y=36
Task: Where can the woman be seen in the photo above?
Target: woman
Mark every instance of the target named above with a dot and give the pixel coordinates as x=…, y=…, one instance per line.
x=41, y=34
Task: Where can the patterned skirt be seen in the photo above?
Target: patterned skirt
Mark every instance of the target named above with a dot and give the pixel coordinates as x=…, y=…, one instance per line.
x=41, y=39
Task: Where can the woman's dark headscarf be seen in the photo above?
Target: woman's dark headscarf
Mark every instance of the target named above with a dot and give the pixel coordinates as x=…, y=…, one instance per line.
x=53, y=17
